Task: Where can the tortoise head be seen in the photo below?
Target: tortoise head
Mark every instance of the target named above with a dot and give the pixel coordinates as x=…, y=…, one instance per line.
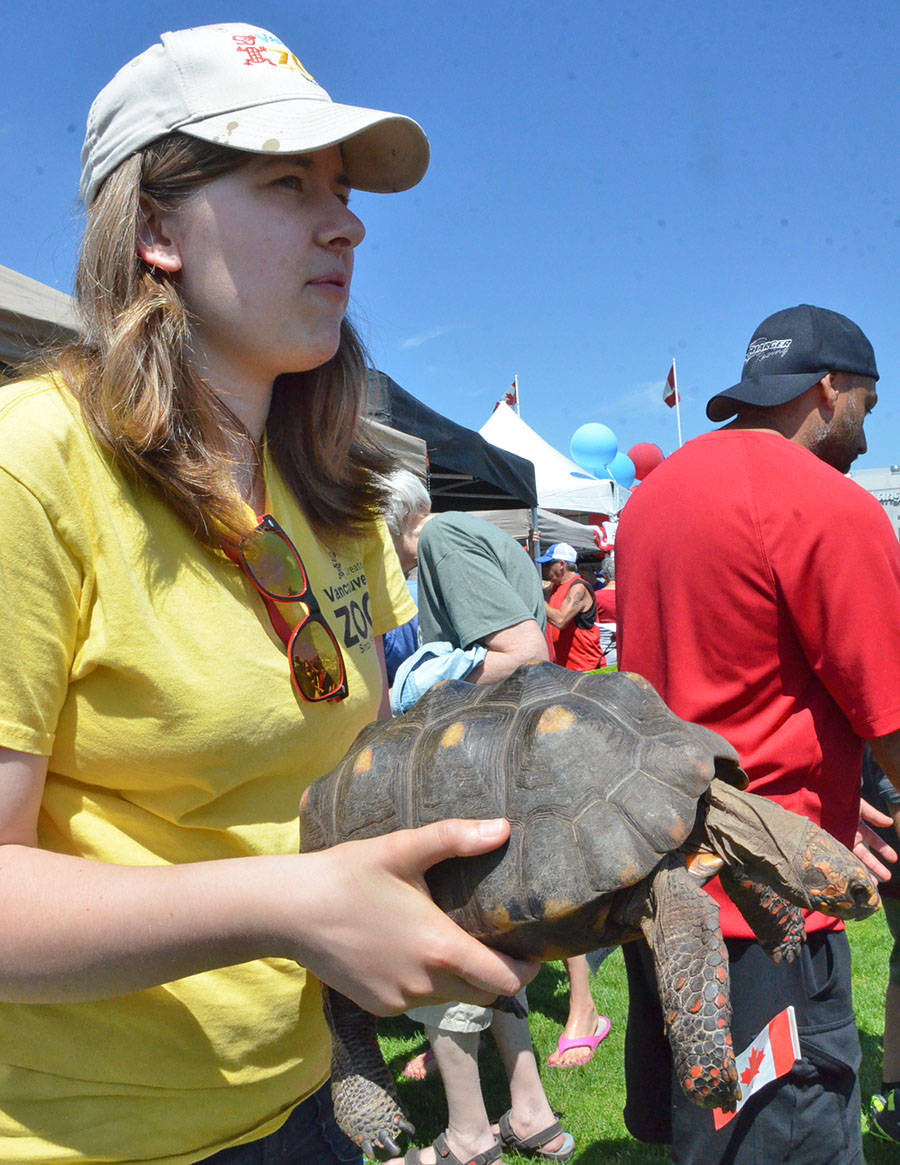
x=726, y=760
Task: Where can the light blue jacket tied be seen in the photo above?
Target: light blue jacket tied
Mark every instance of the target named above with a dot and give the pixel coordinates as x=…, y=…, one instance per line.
x=427, y=666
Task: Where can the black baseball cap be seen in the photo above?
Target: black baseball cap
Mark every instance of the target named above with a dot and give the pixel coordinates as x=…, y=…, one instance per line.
x=791, y=351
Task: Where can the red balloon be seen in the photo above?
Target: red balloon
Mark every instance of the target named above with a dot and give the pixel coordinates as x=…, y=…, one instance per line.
x=646, y=457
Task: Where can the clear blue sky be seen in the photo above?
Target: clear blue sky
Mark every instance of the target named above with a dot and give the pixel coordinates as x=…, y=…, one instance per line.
x=611, y=185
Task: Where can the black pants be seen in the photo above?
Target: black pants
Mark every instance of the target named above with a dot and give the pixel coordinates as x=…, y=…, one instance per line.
x=811, y=1116
x=309, y=1137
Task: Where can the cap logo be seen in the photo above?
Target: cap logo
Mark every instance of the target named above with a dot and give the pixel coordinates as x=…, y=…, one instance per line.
x=763, y=348
x=265, y=49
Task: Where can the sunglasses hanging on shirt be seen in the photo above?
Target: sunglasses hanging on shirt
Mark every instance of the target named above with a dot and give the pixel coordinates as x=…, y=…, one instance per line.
x=270, y=560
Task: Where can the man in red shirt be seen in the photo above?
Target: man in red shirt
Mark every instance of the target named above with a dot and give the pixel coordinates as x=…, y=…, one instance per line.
x=572, y=634
x=732, y=606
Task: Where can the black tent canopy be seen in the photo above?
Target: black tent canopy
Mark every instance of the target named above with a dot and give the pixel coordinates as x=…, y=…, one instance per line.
x=465, y=471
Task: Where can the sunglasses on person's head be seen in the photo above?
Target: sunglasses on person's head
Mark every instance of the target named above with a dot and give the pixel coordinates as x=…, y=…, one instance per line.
x=271, y=562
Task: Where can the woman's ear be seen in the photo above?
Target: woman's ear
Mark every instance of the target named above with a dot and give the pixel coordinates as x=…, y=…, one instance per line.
x=154, y=244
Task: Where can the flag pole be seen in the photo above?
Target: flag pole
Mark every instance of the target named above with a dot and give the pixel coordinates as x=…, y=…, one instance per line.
x=516, y=391
x=677, y=405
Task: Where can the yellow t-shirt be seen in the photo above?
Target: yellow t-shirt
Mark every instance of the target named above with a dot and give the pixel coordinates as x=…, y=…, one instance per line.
x=147, y=670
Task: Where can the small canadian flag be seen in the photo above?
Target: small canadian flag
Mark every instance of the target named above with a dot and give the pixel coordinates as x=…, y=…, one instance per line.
x=772, y=1054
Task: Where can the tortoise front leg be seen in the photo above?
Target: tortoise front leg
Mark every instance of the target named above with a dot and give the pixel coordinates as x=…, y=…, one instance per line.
x=365, y=1100
x=680, y=923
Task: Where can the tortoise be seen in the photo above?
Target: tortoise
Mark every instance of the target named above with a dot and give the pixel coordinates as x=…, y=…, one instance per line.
x=620, y=812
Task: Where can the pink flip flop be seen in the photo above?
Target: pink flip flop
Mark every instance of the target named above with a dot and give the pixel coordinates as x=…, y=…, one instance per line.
x=601, y=1031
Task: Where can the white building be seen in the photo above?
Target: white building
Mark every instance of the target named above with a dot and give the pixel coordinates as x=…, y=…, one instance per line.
x=884, y=485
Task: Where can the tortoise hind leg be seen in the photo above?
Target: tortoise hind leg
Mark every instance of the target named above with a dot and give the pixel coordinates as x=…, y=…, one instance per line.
x=365, y=1100
x=777, y=923
x=680, y=923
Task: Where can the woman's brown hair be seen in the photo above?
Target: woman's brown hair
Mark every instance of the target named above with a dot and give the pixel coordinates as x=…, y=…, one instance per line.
x=162, y=423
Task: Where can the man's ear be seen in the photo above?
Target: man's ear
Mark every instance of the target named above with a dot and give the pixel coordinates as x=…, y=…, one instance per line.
x=154, y=243
x=828, y=391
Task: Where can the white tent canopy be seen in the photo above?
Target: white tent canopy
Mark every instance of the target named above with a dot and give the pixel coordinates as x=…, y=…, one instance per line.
x=551, y=528
x=561, y=484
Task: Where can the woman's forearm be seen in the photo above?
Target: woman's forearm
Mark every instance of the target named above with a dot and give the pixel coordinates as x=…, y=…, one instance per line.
x=76, y=930
x=357, y=915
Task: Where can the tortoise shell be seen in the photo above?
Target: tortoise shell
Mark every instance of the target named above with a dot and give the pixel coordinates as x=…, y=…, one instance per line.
x=586, y=764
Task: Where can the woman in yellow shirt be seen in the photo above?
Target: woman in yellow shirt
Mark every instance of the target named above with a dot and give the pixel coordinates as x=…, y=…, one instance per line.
x=194, y=585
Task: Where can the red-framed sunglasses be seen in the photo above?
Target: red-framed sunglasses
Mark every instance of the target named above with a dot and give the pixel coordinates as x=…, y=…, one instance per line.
x=270, y=560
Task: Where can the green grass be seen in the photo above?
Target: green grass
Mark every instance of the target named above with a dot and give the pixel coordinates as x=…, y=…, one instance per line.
x=870, y=942
x=591, y=1098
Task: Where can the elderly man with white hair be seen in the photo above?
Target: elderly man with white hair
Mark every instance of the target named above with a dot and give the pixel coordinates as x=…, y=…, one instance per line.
x=476, y=584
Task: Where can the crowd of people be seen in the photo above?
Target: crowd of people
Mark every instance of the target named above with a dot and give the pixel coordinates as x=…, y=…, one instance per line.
x=183, y=490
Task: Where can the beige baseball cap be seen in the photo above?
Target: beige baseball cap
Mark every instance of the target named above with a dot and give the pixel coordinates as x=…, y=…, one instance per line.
x=242, y=87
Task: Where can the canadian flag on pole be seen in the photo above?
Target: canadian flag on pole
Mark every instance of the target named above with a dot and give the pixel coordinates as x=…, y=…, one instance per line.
x=511, y=398
x=772, y=1054
x=670, y=392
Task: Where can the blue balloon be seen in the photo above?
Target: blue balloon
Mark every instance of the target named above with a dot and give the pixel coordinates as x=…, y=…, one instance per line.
x=593, y=446
x=621, y=470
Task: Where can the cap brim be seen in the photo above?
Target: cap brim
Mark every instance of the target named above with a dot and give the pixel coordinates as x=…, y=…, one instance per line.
x=765, y=392
x=383, y=152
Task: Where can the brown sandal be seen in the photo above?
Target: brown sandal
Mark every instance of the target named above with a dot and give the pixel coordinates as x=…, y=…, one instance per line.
x=446, y=1156
x=531, y=1146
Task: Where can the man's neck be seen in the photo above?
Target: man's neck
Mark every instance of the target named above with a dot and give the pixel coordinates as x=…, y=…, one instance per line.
x=756, y=425
x=799, y=420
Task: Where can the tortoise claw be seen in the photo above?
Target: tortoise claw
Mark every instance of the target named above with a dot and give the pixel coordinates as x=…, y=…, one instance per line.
x=511, y=1004
x=388, y=1144
x=383, y=1143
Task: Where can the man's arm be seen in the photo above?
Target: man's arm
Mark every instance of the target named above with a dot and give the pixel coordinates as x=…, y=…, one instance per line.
x=578, y=598
x=869, y=846
x=506, y=649
x=887, y=752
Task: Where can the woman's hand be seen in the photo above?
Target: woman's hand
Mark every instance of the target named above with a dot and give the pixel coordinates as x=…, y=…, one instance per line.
x=369, y=929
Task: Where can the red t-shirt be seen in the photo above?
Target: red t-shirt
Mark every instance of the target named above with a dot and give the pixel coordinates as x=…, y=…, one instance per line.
x=759, y=592
x=577, y=648
x=605, y=599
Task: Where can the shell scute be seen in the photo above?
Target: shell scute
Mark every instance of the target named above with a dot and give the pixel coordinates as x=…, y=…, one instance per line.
x=613, y=847
x=548, y=878
x=462, y=755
